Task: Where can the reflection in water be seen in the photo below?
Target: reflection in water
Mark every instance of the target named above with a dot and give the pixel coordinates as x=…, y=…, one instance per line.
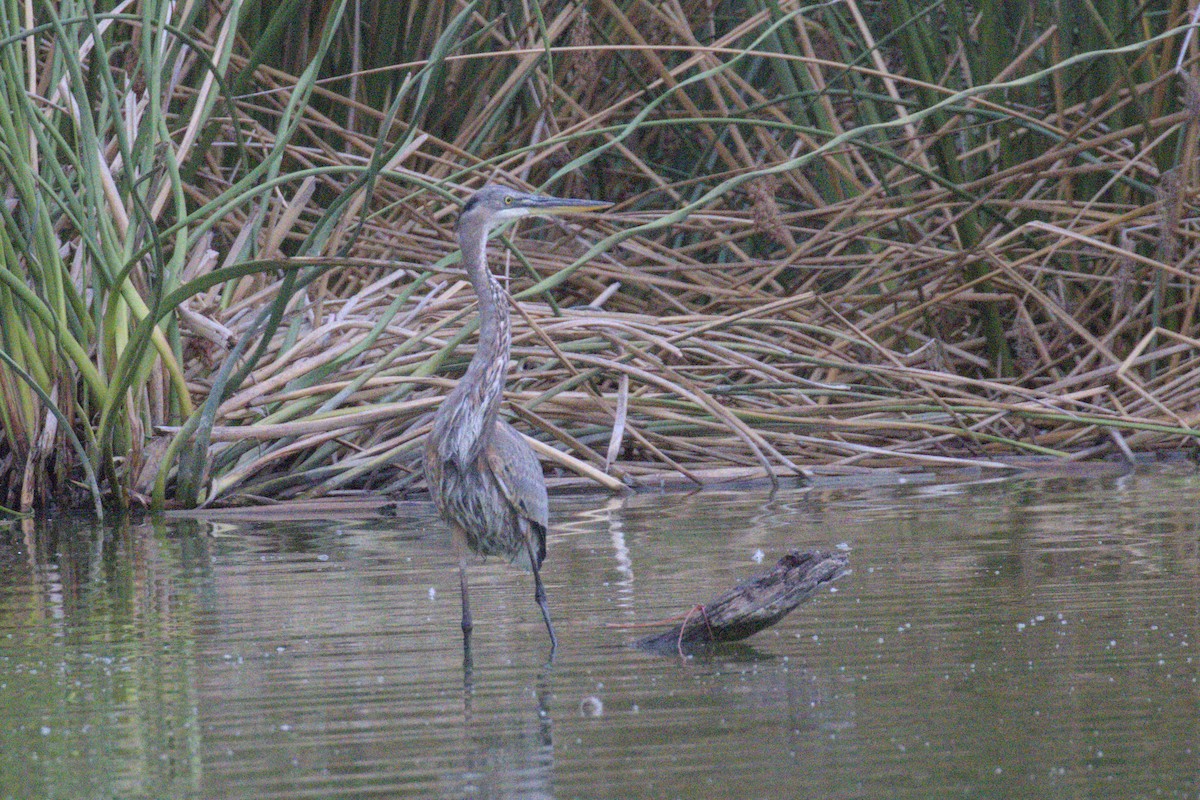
x=503, y=759
x=97, y=674
x=1029, y=637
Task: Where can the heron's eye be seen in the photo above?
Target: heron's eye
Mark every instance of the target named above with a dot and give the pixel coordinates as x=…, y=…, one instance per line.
x=508, y=200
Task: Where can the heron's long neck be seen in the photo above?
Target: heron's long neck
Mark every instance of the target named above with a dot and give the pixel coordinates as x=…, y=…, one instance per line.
x=483, y=384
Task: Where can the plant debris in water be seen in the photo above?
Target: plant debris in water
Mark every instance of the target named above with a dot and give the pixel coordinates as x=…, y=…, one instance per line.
x=753, y=605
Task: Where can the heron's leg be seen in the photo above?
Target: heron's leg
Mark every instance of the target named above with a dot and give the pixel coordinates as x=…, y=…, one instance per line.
x=466, y=598
x=461, y=549
x=539, y=594
x=468, y=661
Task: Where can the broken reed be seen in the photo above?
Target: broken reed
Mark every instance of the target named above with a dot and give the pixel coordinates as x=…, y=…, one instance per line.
x=847, y=236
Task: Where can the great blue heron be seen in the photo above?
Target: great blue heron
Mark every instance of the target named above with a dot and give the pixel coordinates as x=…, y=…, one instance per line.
x=484, y=478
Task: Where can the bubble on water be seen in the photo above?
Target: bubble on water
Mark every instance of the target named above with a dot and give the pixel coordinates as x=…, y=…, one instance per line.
x=757, y=557
x=591, y=706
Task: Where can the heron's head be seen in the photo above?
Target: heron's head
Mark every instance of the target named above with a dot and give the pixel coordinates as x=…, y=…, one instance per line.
x=495, y=204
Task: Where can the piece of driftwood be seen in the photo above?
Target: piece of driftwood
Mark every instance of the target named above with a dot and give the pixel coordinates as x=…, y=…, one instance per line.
x=752, y=605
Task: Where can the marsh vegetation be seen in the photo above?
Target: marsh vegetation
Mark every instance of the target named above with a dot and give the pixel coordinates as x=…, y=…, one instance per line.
x=846, y=235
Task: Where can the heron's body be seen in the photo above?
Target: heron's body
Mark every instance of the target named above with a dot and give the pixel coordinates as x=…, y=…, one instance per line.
x=503, y=491
x=484, y=478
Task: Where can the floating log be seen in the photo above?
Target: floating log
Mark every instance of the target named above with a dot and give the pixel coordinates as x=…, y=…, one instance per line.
x=755, y=604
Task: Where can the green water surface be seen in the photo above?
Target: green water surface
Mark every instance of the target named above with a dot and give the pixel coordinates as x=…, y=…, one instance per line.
x=1019, y=638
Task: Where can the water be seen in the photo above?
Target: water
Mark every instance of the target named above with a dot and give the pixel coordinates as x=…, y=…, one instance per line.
x=1032, y=638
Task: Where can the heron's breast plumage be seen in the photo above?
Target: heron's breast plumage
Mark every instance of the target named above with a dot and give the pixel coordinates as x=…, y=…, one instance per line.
x=470, y=496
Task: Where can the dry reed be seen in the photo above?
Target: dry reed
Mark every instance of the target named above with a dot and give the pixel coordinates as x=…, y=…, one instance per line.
x=954, y=273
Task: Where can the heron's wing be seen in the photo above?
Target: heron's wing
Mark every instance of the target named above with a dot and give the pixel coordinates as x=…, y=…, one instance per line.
x=518, y=474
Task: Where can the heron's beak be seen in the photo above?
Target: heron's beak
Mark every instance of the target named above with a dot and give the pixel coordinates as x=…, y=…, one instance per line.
x=565, y=205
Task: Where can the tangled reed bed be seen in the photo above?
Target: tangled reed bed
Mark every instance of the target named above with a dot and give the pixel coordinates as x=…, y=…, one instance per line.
x=711, y=373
